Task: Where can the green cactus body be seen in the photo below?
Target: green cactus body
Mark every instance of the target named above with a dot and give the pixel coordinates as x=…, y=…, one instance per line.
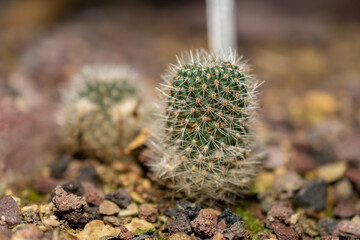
x=99, y=113
x=207, y=143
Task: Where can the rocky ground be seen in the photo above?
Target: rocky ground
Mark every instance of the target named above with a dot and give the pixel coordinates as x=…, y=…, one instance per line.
x=309, y=187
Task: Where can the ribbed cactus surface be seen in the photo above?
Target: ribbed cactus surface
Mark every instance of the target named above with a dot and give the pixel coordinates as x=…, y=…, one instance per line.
x=206, y=145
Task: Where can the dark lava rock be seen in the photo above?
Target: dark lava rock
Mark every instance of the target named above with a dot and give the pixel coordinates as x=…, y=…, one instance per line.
x=75, y=218
x=69, y=207
x=284, y=232
x=344, y=210
x=179, y=223
x=204, y=225
x=236, y=231
x=312, y=194
x=43, y=185
x=191, y=210
x=170, y=212
x=92, y=212
x=64, y=201
x=125, y=234
x=120, y=197
x=87, y=174
x=328, y=224
x=347, y=229
x=280, y=212
x=150, y=214
x=93, y=197
x=73, y=186
x=58, y=167
x=229, y=217
x=9, y=211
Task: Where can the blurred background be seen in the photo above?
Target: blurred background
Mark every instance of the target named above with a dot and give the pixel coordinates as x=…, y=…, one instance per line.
x=307, y=52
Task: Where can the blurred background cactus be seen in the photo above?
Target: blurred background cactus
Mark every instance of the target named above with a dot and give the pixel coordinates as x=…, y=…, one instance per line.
x=99, y=115
x=207, y=143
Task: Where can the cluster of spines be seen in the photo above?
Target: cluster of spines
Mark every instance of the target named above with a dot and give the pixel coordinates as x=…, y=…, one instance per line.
x=95, y=105
x=206, y=141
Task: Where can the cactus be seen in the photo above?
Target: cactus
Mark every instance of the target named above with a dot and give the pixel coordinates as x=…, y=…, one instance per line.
x=99, y=112
x=205, y=143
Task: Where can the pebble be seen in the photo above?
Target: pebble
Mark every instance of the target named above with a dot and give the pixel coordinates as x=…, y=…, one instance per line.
x=236, y=231
x=286, y=185
x=179, y=223
x=229, y=217
x=75, y=219
x=73, y=186
x=70, y=207
x=204, y=225
x=87, y=173
x=347, y=229
x=93, y=197
x=312, y=194
x=59, y=166
x=43, y=185
x=275, y=158
x=131, y=210
x=353, y=175
x=136, y=197
x=97, y=230
x=120, y=197
x=284, y=232
x=115, y=221
x=356, y=219
x=139, y=227
x=266, y=198
x=331, y=172
x=28, y=231
x=180, y=236
x=125, y=234
x=300, y=162
x=46, y=209
x=149, y=213
x=92, y=212
x=67, y=202
x=328, y=224
x=108, y=208
x=30, y=214
x=344, y=210
x=190, y=209
x=280, y=212
x=219, y=236
x=9, y=211
x=51, y=223
x=343, y=188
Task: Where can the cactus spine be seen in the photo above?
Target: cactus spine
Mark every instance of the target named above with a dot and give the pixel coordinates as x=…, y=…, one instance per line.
x=206, y=144
x=99, y=112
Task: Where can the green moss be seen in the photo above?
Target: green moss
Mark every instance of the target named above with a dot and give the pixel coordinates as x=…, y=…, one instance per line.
x=31, y=196
x=252, y=224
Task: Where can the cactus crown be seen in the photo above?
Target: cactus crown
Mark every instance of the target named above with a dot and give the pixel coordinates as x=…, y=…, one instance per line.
x=208, y=108
x=206, y=140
